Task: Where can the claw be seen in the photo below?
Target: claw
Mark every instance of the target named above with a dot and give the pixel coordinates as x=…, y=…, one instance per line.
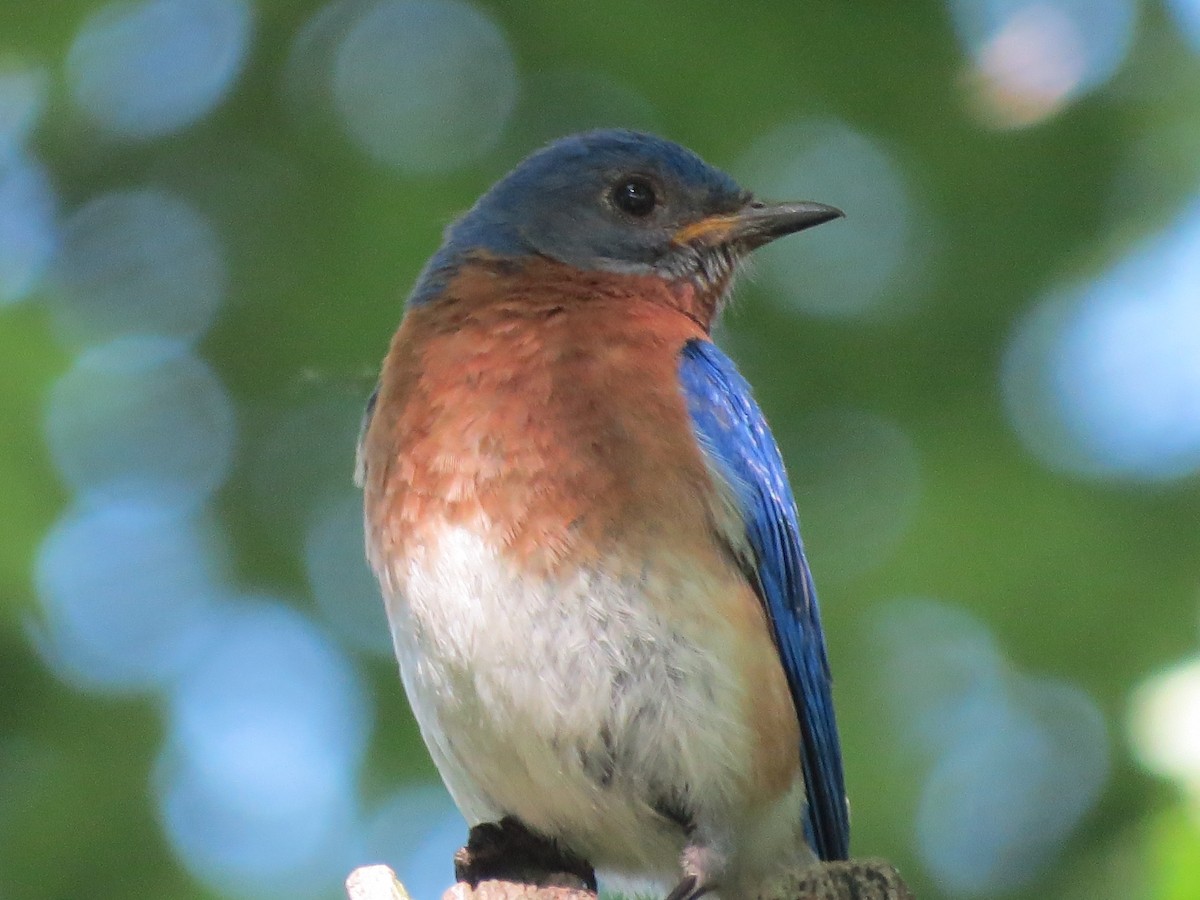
x=689, y=888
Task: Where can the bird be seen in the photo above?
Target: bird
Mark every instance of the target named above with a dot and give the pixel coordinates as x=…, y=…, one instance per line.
x=584, y=533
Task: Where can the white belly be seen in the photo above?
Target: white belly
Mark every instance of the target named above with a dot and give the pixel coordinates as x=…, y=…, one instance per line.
x=573, y=705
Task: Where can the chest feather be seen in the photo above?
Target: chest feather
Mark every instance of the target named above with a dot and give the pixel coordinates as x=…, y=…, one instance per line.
x=559, y=433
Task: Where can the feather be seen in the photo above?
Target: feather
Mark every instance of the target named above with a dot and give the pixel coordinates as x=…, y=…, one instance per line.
x=742, y=453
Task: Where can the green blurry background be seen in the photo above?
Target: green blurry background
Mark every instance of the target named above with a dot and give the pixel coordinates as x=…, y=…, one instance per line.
x=986, y=382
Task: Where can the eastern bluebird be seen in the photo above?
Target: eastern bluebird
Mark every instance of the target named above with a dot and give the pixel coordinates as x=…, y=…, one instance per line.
x=584, y=533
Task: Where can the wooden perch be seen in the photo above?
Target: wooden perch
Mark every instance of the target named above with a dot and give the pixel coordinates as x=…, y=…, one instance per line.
x=860, y=879
x=506, y=861
x=374, y=883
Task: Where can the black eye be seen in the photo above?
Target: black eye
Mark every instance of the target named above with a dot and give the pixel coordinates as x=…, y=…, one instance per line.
x=634, y=196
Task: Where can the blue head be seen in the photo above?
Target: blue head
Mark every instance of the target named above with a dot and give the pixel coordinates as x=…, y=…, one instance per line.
x=619, y=201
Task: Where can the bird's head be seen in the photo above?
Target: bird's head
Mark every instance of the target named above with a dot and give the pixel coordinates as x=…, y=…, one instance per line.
x=625, y=202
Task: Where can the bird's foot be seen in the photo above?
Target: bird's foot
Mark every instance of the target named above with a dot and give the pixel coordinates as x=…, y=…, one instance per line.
x=508, y=851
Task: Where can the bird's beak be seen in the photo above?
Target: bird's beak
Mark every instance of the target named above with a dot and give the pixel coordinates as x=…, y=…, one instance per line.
x=756, y=224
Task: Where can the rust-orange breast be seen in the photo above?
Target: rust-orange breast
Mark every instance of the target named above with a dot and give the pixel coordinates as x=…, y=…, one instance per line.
x=543, y=401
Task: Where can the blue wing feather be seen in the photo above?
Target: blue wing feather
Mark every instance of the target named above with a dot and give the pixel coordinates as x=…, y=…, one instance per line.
x=734, y=436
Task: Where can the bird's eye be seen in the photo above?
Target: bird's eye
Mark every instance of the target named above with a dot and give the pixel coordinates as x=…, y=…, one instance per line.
x=635, y=196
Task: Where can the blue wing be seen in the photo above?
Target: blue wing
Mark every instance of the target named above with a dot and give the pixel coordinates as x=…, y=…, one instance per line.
x=735, y=438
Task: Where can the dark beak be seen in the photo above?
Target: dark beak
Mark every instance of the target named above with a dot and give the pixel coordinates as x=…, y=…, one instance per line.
x=756, y=224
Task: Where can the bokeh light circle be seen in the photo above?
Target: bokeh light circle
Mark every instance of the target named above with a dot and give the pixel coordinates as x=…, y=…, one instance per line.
x=1029, y=58
x=424, y=85
x=265, y=736
x=127, y=591
x=141, y=418
x=1187, y=14
x=147, y=68
x=999, y=804
x=1165, y=725
x=1104, y=381
x=941, y=668
x=1015, y=762
x=873, y=265
x=28, y=226
x=23, y=91
x=141, y=261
